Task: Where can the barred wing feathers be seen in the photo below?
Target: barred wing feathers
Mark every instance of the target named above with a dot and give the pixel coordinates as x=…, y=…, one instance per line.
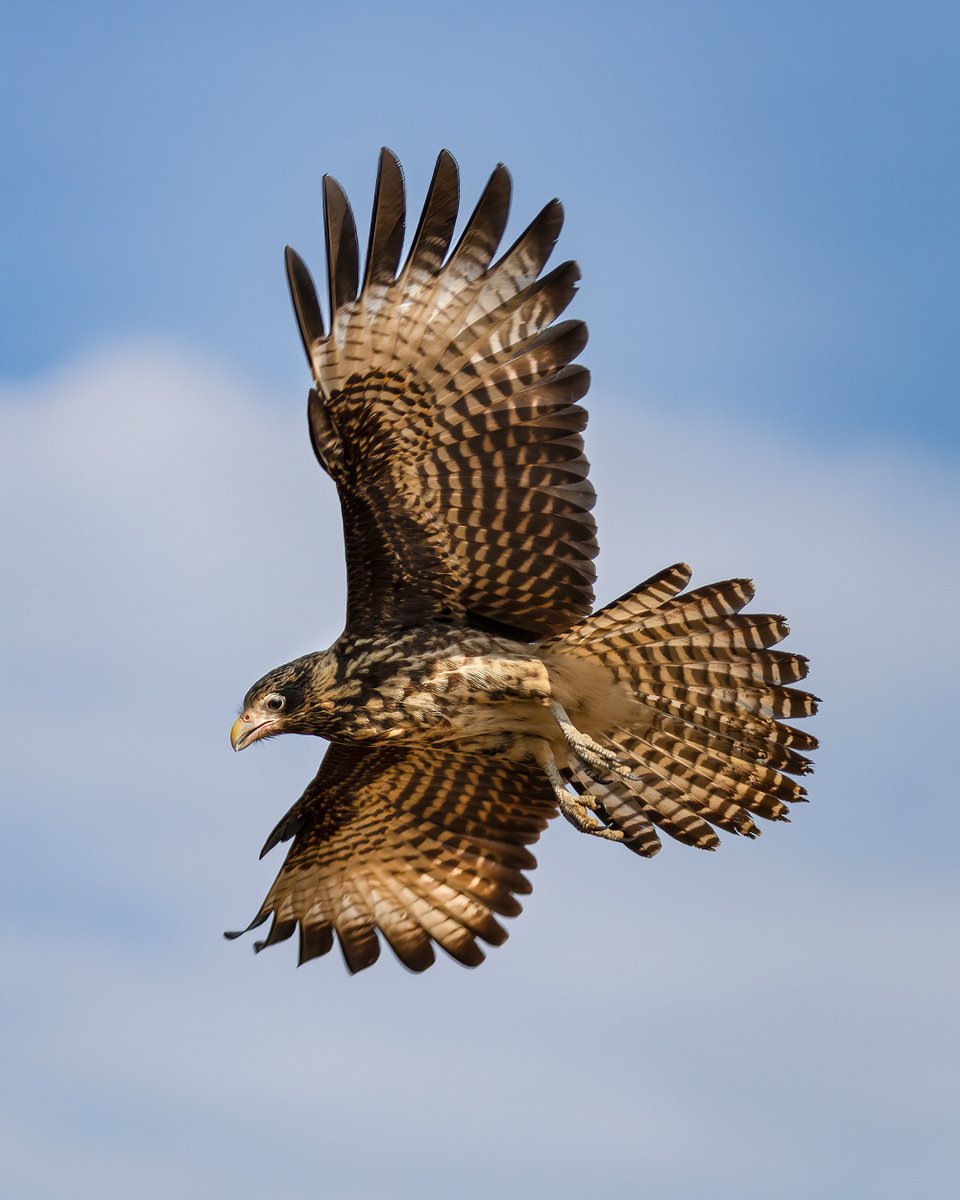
x=423, y=845
x=445, y=409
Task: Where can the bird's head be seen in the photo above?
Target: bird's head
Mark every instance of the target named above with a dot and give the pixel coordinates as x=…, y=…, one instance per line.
x=283, y=701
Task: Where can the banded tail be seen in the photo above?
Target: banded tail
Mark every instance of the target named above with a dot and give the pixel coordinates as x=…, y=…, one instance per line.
x=704, y=739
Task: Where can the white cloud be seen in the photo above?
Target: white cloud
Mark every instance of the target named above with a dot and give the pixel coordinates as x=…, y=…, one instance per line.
x=753, y=1023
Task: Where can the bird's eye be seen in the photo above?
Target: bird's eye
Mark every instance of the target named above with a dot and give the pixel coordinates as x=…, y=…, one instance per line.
x=274, y=702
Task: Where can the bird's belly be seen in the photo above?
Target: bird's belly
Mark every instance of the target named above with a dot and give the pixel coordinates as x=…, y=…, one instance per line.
x=482, y=703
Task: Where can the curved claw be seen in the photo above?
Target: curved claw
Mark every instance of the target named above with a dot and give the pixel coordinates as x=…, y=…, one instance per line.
x=596, y=759
x=579, y=810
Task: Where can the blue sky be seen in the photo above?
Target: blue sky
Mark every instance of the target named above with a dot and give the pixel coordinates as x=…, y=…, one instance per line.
x=763, y=199
x=764, y=196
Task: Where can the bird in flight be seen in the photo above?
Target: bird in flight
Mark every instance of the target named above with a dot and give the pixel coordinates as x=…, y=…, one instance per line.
x=474, y=693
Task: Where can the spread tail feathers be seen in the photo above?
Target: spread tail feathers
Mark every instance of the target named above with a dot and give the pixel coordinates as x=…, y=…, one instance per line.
x=703, y=739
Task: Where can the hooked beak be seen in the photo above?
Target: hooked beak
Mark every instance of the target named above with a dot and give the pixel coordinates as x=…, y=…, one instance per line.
x=249, y=728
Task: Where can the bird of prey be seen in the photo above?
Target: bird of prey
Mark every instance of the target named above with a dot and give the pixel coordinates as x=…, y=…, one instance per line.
x=474, y=693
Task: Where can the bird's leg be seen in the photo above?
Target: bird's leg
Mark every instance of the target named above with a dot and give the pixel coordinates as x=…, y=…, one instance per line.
x=578, y=809
x=596, y=759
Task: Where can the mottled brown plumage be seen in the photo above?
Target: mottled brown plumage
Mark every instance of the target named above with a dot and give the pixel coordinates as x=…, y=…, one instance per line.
x=473, y=695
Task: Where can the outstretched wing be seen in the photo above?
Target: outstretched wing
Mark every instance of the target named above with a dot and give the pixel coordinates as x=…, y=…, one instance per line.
x=445, y=408
x=424, y=845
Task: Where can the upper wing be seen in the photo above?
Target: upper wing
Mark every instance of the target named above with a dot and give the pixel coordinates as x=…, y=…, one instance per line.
x=446, y=411
x=423, y=844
